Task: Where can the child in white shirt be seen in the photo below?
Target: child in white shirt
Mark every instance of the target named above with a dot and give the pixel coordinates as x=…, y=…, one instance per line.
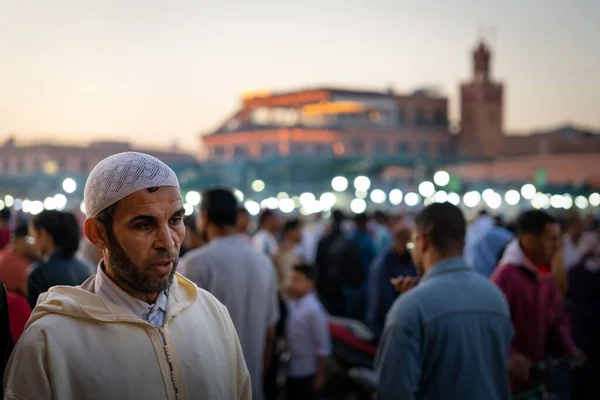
x=307, y=336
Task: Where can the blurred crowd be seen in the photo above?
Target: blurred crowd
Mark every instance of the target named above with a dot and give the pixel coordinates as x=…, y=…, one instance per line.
x=283, y=279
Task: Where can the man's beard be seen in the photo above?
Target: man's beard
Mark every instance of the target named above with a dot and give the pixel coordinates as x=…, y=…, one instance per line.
x=128, y=273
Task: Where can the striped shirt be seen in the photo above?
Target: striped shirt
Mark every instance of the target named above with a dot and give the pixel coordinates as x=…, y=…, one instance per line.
x=153, y=313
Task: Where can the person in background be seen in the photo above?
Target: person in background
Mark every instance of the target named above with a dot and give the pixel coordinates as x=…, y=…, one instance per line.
x=448, y=337
x=136, y=329
x=394, y=263
x=487, y=250
x=569, y=253
x=242, y=226
x=4, y=227
x=574, y=230
x=525, y=276
x=89, y=254
x=240, y=277
x=356, y=297
x=56, y=239
x=583, y=304
x=15, y=261
x=285, y=260
x=265, y=239
x=338, y=266
x=18, y=314
x=287, y=257
x=382, y=235
x=312, y=232
x=482, y=223
x=193, y=239
x=6, y=340
x=307, y=337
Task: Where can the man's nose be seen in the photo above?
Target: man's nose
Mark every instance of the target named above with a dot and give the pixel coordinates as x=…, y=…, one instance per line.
x=165, y=239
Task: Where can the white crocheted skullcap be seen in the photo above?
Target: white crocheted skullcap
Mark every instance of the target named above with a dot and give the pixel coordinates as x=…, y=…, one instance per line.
x=120, y=175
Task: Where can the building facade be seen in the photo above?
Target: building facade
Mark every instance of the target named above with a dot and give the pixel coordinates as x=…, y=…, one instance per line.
x=332, y=122
x=339, y=122
x=54, y=159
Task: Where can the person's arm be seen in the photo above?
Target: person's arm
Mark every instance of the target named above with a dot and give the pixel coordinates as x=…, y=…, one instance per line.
x=319, y=333
x=34, y=287
x=559, y=272
x=268, y=354
x=375, y=318
x=27, y=373
x=6, y=340
x=562, y=325
x=19, y=315
x=273, y=317
x=399, y=358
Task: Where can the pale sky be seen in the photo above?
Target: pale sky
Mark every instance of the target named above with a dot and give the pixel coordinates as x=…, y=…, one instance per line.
x=158, y=72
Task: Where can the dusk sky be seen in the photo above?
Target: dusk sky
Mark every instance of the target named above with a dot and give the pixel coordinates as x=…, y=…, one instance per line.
x=160, y=72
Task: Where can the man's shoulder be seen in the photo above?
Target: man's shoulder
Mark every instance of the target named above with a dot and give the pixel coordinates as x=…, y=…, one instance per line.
x=408, y=305
x=205, y=298
x=52, y=325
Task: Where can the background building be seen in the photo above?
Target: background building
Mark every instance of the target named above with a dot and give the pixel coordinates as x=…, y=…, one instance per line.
x=332, y=122
x=55, y=159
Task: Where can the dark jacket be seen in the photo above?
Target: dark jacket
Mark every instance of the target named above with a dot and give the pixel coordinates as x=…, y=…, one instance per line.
x=6, y=342
x=381, y=293
x=583, y=304
x=338, y=266
x=57, y=270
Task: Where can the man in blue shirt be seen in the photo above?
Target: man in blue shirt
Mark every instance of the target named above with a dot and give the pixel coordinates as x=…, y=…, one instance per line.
x=393, y=263
x=448, y=337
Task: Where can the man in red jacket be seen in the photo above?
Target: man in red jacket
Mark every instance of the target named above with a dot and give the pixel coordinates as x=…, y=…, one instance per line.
x=537, y=311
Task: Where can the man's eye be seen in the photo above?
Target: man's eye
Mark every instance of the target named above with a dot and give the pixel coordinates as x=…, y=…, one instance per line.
x=176, y=220
x=144, y=225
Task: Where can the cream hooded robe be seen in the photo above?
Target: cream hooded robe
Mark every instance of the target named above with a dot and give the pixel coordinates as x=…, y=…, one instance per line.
x=80, y=346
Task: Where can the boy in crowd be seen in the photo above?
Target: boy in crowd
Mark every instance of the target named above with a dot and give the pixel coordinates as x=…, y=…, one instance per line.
x=307, y=337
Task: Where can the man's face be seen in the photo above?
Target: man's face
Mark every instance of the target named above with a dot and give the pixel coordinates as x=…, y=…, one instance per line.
x=299, y=285
x=541, y=248
x=143, y=247
x=242, y=222
x=296, y=235
x=401, y=239
x=578, y=227
x=274, y=223
x=41, y=241
x=22, y=247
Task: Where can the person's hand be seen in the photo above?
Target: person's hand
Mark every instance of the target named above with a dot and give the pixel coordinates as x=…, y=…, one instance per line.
x=319, y=383
x=578, y=356
x=404, y=283
x=519, y=366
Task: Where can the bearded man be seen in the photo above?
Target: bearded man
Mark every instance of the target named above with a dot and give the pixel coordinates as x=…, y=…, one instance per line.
x=136, y=329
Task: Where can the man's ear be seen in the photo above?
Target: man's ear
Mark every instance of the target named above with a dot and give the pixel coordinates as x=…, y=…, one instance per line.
x=95, y=233
x=424, y=244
